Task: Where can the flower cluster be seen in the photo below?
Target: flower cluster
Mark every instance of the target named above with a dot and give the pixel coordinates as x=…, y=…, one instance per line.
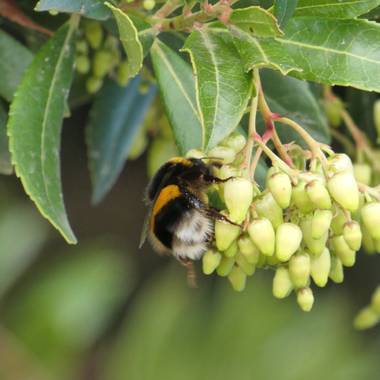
x=99, y=54
x=305, y=224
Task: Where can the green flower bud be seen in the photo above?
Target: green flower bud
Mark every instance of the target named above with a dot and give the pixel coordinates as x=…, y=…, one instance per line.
x=376, y=117
x=366, y=318
x=375, y=301
x=226, y=171
x=103, y=62
x=320, y=268
x=370, y=214
x=353, y=235
x=333, y=110
x=263, y=236
x=225, y=234
x=336, y=272
x=288, y=240
x=301, y=199
x=82, y=64
x=238, y=194
x=319, y=195
x=248, y=268
x=149, y=4
x=368, y=243
x=222, y=153
x=210, y=261
x=94, y=33
x=81, y=47
x=267, y=207
x=305, y=299
x=299, y=270
x=248, y=249
x=343, y=251
x=235, y=141
x=344, y=189
x=195, y=153
x=225, y=266
x=338, y=222
x=232, y=250
x=280, y=186
x=237, y=278
x=93, y=84
x=363, y=173
x=340, y=162
x=122, y=73
x=320, y=223
x=282, y=285
x=315, y=246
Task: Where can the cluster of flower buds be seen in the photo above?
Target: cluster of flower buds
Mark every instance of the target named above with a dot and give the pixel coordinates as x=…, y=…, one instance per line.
x=369, y=315
x=305, y=225
x=98, y=55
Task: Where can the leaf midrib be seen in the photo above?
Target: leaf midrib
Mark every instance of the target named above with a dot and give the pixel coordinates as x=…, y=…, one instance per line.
x=47, y=112
x=326, y=49
x=161, y=53
x=331, y=4
x=208, y=44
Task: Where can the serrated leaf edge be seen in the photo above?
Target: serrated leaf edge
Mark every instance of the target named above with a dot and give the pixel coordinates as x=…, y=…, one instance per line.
x=66, y=234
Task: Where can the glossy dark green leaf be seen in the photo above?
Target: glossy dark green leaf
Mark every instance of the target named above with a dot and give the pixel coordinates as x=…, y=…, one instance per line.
x=256, y=20
x=129, y=38
x=223, y=88
x=14, y=60
x=115, y=117
x=67, y=305
x=177, y=86
x=5, y=160
x=146, y=33
x=293, y=98
x=262, y=52
x=336, y=52
x=89, y=8
x=335, y=9
x=284, y=10
x=35, y=122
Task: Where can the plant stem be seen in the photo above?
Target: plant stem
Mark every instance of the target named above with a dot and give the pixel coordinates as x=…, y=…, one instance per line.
x=168, y=8
x=268, y=117
x=247, y=151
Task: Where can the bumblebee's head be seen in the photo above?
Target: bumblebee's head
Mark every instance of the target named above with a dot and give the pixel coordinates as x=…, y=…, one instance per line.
x=192, y=171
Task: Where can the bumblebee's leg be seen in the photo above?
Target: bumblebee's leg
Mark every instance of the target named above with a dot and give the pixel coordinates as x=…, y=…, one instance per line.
x=212, y=179
x=215, y=214
x=191, y=275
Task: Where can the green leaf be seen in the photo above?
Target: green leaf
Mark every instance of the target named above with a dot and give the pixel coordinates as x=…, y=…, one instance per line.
x=35, y=122
x=146, y=33
x=177, y=86
x=293, y=98
x=336, y=52
x=262, y=52
x=14, y=60
x=335, y=8
x=284, y=10
x=116, y=116
x=223, y=88
x=89, y=8
x=5, y=160
x=256, y=20
x=130, y=40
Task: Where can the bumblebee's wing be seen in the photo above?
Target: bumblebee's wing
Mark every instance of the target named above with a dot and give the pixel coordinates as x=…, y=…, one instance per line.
x=145, y=228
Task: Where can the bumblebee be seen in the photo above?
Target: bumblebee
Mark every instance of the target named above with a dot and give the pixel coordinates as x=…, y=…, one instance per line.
x=180, y=223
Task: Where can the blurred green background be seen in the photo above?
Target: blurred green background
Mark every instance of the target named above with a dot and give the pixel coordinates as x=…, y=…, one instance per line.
x=104, y=310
